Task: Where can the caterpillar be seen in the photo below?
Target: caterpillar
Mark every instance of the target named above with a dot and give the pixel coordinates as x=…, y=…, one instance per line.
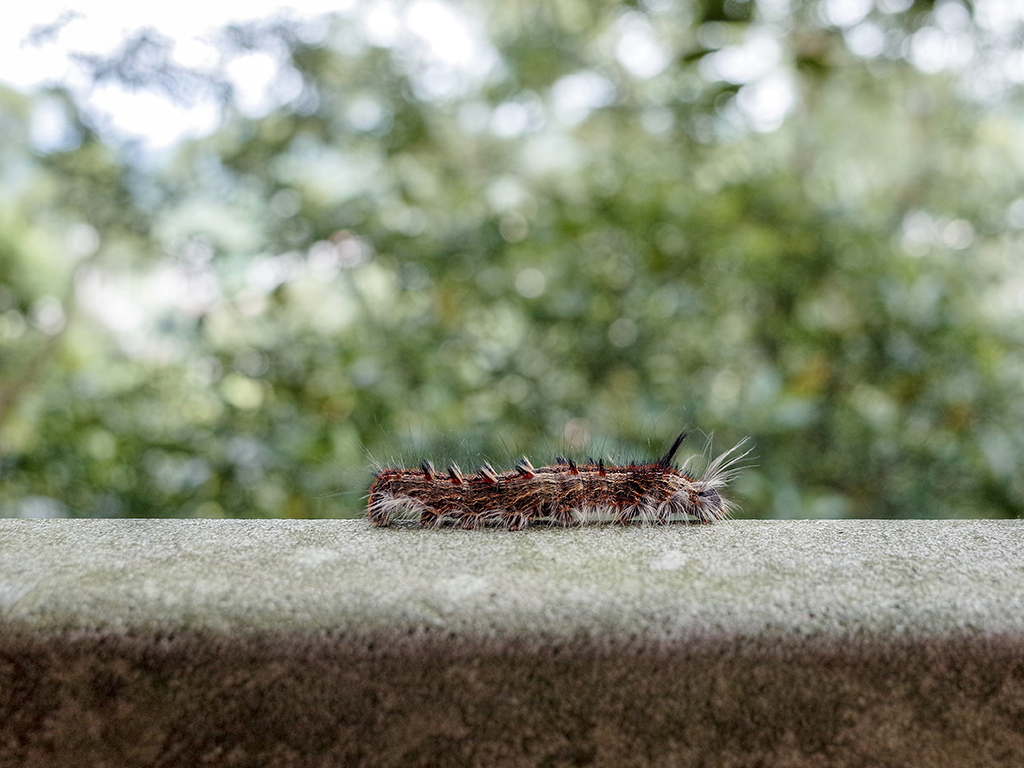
x=564, y=493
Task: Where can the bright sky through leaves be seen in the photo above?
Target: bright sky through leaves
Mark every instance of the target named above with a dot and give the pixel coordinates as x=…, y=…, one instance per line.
x=38, y=43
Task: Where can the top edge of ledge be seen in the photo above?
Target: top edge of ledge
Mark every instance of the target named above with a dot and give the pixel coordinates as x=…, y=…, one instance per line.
x=752, y=578
x=362, y=522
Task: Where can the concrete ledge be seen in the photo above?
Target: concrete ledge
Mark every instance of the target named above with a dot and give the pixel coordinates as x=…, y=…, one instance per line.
x=285, y=643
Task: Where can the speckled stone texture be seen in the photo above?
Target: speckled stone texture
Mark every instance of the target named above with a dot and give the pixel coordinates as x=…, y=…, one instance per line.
x=330, y=643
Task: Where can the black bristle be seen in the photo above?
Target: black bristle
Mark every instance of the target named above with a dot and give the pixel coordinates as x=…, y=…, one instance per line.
x=666, y=461
x=428, y=469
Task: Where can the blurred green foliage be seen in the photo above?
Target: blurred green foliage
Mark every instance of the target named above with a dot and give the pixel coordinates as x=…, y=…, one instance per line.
x=798, y=223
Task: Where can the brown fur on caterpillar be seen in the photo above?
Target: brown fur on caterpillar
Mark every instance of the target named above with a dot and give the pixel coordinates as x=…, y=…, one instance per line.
x=564, y=493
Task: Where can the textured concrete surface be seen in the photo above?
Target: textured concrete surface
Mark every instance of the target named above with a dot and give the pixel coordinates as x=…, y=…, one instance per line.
x=286, y=643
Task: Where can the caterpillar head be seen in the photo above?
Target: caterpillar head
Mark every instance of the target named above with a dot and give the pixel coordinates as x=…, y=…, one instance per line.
x=707, y=504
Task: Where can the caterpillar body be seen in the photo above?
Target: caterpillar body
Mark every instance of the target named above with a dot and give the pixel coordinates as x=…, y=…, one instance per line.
x=564, y=493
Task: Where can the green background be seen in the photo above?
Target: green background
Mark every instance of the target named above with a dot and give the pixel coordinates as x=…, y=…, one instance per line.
x=402, y=258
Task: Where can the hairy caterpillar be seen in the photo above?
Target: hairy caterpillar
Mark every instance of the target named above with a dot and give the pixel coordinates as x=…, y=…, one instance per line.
x=564, y=493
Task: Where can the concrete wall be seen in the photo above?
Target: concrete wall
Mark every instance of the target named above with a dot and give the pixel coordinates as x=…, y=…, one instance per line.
x=287, y=643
